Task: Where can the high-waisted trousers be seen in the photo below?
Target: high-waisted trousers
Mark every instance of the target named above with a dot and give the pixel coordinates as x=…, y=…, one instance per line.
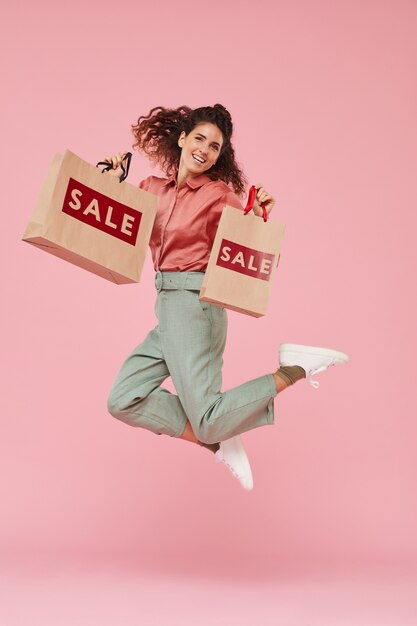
x=187, y=344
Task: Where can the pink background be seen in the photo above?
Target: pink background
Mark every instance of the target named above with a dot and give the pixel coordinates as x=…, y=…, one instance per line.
x=323, y=97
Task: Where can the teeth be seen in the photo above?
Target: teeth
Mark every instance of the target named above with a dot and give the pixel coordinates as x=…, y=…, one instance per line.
x=199, y=159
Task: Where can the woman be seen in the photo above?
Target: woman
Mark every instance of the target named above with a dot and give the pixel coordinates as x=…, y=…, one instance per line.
x=194, y=149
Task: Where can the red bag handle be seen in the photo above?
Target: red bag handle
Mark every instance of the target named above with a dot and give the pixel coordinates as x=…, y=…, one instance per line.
x=251, y=200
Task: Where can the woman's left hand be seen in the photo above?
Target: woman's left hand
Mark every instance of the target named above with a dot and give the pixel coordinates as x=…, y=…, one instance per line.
x=265, y=197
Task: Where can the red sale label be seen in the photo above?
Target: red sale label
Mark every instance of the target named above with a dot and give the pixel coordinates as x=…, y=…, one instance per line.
x=255, y=263
x=97, y=210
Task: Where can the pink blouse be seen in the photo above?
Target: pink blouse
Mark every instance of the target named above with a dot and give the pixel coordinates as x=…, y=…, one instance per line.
x=186, y=220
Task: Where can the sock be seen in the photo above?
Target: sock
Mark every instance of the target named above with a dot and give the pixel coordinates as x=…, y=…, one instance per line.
x=291, y=373
x=210, y=446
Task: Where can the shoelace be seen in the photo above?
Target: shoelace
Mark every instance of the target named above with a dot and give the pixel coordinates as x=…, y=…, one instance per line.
x=315, y=383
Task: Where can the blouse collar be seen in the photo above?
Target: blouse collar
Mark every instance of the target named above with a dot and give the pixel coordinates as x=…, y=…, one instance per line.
x=193, y=183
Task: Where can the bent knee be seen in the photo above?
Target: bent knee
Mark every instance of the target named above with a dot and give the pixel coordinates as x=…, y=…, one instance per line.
x=115, y=405
x=121, y=411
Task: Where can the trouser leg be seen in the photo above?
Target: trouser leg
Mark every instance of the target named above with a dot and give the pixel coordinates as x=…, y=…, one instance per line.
x=192, y=336
x=136, y=397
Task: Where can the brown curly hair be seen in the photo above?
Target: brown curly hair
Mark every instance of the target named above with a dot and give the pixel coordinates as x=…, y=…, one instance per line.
x=158, y=132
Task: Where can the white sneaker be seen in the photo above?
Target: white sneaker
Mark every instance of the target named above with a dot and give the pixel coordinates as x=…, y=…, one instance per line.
x=312, y=359
x=233, y=455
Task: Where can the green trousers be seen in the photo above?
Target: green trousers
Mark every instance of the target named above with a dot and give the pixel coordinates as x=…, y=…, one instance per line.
x=187, y=344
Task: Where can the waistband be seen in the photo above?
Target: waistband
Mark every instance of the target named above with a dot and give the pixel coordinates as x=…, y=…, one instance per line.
x=179, y=280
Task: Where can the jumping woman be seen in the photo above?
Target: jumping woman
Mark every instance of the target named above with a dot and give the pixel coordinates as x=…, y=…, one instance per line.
x=193, y=149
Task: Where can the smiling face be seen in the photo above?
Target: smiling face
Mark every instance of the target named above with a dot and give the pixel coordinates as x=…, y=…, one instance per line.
x=200, y=150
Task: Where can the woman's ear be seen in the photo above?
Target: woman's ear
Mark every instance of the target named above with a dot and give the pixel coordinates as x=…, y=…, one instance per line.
x=181, y=139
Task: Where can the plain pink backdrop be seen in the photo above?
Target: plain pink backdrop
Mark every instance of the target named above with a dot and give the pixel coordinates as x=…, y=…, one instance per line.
x=323, y=97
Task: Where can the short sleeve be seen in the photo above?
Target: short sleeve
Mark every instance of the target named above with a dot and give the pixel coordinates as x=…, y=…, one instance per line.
x=213, y=218
x=232, y=199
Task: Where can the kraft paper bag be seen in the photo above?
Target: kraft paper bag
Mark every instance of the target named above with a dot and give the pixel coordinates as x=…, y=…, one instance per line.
x=243, y=261
x=92, y=220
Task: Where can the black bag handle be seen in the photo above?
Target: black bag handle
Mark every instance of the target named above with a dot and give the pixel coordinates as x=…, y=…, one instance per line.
x=108, y=166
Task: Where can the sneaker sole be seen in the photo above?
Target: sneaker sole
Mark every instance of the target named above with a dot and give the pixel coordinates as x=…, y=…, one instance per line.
x=296, y=348
x=248, y=484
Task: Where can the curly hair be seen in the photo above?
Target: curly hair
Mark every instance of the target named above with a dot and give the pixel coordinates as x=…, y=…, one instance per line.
x=158, y=132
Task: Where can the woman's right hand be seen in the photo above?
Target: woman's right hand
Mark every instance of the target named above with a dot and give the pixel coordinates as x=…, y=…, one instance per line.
x=115, y=160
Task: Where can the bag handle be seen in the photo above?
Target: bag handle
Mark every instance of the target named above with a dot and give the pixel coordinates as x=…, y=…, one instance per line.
x=108, y=166
x=251, y=200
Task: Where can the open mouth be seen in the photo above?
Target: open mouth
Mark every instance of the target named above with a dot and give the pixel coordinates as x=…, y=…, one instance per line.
x=198, y=159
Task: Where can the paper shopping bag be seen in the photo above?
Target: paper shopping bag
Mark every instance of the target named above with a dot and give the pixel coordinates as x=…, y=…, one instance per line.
x=243, y=261
x=92, y=220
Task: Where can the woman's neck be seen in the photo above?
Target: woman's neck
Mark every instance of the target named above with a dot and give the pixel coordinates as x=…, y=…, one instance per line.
x=183, y=175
